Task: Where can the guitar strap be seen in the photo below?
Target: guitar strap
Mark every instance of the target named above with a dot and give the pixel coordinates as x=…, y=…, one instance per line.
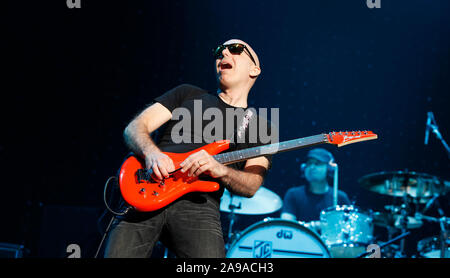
x=243, y=126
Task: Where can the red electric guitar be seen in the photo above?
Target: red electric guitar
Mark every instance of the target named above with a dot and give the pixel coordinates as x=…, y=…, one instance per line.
x=143, y=193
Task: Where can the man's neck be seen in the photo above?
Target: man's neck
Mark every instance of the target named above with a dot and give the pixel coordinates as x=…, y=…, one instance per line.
x=319, y=187
x=236, y=97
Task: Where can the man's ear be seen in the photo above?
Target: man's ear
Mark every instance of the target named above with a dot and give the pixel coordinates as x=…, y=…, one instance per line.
x=255, y=72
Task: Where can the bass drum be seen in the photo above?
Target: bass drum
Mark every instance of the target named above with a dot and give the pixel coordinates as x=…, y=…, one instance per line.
x=278, y=238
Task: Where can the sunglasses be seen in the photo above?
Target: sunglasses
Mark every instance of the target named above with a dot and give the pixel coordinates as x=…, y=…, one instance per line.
x=235, y=48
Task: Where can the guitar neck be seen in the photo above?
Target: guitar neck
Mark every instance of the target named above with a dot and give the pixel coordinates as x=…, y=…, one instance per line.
x=241, y=155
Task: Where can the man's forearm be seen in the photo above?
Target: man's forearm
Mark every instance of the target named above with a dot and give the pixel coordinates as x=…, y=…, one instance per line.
x=138, y=139
x=241, y=182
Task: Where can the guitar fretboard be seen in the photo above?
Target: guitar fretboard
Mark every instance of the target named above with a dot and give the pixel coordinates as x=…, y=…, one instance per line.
x=240, y=155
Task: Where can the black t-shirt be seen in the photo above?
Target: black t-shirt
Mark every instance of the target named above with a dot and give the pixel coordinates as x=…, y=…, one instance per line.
x=190, y=98
x=306, y=206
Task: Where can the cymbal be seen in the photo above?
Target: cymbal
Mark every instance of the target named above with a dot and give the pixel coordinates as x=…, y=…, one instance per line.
x=263, y=202
x=398, y=183
x=386, y=219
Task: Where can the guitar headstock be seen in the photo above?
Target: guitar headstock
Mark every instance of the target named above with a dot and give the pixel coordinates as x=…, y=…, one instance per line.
x=343, y=138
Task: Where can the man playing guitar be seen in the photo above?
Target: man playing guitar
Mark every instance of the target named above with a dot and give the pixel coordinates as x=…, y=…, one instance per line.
x=191, y=225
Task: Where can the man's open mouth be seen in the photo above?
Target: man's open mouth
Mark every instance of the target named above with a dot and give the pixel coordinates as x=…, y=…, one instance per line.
x=225, y=65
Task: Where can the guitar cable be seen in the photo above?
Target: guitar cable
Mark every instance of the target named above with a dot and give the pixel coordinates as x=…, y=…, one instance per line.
x=122, y=213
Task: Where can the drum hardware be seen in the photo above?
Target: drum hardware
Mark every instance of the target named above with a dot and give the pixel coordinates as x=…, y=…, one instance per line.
x=381, y=246
x=431, y=247
x=402, y=222
x=404, y=226
x=414, y=189
x=232, y=218
x=392, y=221
x=443, y=223
x=263, y=202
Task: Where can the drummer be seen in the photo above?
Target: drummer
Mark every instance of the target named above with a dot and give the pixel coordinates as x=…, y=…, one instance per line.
x=304, y=203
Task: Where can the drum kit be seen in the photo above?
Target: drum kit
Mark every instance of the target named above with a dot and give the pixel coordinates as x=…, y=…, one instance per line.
x=343, y=231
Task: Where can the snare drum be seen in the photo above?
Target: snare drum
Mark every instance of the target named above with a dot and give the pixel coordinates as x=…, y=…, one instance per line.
x=346, y=230
x=278, y=238
x=430, y=247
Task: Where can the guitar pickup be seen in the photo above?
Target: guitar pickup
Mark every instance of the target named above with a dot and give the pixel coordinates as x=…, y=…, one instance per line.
x=143, y=175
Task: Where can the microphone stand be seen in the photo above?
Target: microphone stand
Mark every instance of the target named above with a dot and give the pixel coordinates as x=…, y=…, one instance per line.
x=435, y=129
x=443, y=220
x=439, y=136
x=335, y=184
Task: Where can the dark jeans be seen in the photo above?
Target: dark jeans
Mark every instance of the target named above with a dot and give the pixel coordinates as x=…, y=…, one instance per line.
x=189, y=227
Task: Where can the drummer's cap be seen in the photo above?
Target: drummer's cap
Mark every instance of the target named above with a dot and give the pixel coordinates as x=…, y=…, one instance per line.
x=321, y=155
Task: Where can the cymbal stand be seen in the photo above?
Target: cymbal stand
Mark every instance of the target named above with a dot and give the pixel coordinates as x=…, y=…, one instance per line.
x=404, y=217
x=404, y=226
x=443, y=223
x=393, y=249
x=232, y=218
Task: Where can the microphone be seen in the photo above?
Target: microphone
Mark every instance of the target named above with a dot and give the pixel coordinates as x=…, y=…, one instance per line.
x=427, y=127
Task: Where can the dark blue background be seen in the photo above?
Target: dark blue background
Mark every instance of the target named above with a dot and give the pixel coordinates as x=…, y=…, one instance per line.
x=73, y=79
